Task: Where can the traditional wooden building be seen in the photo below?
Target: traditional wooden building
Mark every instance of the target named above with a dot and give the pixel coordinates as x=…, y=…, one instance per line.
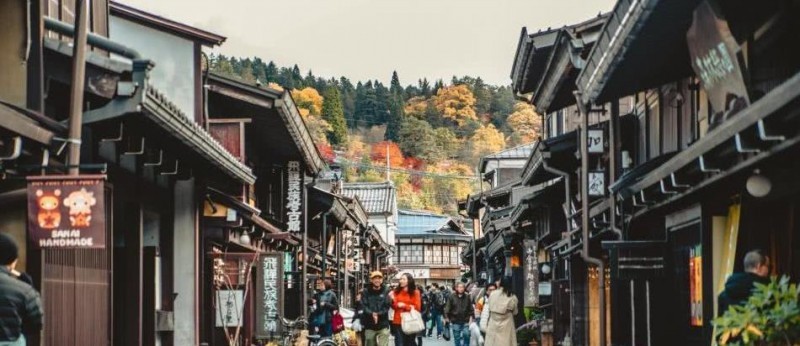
x=429, y=247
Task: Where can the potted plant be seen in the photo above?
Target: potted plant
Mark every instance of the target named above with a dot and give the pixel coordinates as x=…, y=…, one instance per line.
x=527, y=334
x=771, y=316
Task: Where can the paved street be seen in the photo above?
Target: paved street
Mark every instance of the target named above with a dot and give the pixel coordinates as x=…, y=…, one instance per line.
x=434, y=342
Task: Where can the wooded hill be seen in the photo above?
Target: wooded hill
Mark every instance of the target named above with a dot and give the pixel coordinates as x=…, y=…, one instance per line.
x=434, y=133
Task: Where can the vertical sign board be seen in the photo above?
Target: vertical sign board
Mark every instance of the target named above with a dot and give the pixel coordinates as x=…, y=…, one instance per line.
x=531, y=273
x=67, y=212
x=294, y=197
x=269, y=295
x=596, y=144
x=713, y=52
x=696, y=285
x=597, y=183
x=230, y=308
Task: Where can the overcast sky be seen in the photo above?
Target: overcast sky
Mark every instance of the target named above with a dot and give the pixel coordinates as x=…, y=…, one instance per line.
x=367, y=39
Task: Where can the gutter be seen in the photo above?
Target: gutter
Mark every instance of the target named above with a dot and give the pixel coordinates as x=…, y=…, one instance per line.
x=567, y=194
x=93, y=39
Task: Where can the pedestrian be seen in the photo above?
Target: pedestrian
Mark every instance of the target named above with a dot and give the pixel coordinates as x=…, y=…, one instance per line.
x=20, y=305
x=739, y=286
x=503, y=306
x=438, y=302
x=458, y=312
x=327, y=306
x=405, y=298
x=375, y=303
x=481, y=306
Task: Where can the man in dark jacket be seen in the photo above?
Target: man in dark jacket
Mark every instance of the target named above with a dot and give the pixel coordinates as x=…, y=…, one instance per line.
x=739, y=286
x=20, y=305
x=375, y=303
x=459, y=311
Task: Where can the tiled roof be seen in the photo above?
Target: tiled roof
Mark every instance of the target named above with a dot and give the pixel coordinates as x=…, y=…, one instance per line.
x=426, y=223
x=377, y=198
x=521, y=152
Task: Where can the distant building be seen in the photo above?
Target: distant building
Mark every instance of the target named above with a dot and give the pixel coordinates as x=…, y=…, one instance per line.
x=505, y=166
x=429, y=247
x=380, y=202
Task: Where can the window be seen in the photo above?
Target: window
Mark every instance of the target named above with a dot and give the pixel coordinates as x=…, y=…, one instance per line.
x=428, y=254
x=454, y=251
x=410, y=254
x=437, y=254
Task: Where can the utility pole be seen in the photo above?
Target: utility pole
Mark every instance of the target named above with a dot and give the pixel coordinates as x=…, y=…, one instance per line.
x=388, y=162
x=76, y=92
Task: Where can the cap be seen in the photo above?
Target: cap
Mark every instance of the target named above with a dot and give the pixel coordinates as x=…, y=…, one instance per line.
x=376, y=273
x=8, y=249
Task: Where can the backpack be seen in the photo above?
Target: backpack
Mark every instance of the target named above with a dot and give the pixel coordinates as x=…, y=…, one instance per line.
x=441, y=299
x=426, y=302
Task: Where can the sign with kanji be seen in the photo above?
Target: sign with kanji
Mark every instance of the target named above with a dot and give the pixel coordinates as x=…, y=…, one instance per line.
x=596, y=145
x=597, y=183
x=269, y=295
x=531, y=273
x=67, y=212
x=713, y=52
x=294, y=199
x=230, y=308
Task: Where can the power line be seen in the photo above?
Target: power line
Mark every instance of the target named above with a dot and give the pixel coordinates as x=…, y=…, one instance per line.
x=409, y=171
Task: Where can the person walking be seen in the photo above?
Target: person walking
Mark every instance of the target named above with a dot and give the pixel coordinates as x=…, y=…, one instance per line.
x=20, y=305
x=438, y=302
x=739, y=286
x=327, y=306
x=481, y=306
x=458, y=312
x=405, y=298
x=375, y=304
x=503, y=306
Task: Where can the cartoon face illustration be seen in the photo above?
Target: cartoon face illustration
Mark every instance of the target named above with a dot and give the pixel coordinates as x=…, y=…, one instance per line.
x=48, y=216
x=80, y=205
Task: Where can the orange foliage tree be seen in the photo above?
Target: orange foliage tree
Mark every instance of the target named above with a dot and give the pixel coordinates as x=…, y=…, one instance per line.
x=456, y=103
x=378, y=154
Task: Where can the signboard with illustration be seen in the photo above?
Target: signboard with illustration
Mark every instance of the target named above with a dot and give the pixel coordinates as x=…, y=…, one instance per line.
x=269, y=295
x=67, y=212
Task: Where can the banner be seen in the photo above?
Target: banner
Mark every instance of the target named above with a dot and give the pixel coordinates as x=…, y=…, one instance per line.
x=230, y=308
x=67, y=212
x=269, y=295
x=294, y=197
x=531, y=273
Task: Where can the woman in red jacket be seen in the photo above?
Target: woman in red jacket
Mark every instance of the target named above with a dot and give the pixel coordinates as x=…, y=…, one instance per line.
x=404, y=298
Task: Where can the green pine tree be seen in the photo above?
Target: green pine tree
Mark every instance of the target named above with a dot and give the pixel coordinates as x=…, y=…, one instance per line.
x=396, y=119
x=332, y=112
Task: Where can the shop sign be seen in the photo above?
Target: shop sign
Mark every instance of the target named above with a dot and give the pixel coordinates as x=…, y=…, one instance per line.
x=422, y=273
x=531, y=273
x=269, y=295
x=442, y=273
x=597, y=183
x=67, y=212
x=545, y=288
x=696, y=285
x=230, y=308
x=294, y=200
x=596, y=141
x=713, y=52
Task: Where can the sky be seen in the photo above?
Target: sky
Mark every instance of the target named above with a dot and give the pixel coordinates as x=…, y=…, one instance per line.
x=368, y=39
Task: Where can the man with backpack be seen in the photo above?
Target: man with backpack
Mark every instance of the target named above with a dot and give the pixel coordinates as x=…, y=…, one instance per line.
x=438, y=302
x=375, y=304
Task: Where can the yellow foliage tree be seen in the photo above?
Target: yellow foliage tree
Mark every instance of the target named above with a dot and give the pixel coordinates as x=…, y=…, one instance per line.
x=486, y=140
x=308, y=98
x=416, y=107
x=525, y=122
x=356, y=148
x=318, y=128
x=276, y=86
x=456, y=103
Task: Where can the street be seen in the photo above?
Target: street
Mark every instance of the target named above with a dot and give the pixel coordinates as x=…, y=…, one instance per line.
x=434, y=342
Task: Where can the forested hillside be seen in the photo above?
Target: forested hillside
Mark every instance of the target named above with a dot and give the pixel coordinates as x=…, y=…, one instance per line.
x=433, y=132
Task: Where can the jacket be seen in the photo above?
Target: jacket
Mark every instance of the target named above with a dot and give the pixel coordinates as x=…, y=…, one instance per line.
x=501, y=330
x=738, y=289
x=21, y=309
x=375, y=301
x=412, y=299
x=324, y=312
x=459, y=308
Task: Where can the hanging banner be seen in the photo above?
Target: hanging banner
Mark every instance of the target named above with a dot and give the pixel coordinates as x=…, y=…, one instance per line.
x=269, y=295
x=67, y=212
x=696, y=285
x=531, y=273
x=294, y=199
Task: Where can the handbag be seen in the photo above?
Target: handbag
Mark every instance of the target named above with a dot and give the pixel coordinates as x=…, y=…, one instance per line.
x=357, y=325
x=411, y=322
x=337, y=322
x=484, y=322
x=446, y=332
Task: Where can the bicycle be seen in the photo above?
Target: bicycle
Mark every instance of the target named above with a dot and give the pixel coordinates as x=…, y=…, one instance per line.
x=293, y=329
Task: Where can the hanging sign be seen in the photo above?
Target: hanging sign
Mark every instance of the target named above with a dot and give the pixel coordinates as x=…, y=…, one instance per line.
x=294, y=201
x=269, y=295
x=67, y=212
x=230, y=308
x=597, y=183
x=713, y=53
x=531, y=273
x=596, y=141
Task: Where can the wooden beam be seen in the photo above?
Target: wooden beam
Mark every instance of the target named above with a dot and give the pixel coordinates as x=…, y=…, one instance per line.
x=16, y=122
x=238, y=95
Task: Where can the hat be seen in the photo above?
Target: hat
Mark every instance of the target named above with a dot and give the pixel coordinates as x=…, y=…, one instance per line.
x=376, y=273
x=8, y=249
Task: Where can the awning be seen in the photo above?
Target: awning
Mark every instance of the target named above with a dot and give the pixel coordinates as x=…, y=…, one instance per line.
x=637, y=173
x=139, y=101
x=323, y=201
x=15, y=120
x=558, y=151
x=530, y=61
x=244, y=210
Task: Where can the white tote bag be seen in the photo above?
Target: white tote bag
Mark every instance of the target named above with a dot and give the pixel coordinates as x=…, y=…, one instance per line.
x=412, y=322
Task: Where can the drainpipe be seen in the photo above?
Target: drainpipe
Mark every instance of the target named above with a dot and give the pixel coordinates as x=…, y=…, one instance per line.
x=567, y=194
x=324, y=243
x=76, y=90
x=585, y=217
x=613, y=133
x=92, y=39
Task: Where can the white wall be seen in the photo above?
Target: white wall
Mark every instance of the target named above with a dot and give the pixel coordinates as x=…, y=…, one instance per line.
x=173, y=56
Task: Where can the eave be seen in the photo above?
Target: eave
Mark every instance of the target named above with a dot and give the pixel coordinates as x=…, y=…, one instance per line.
x=151, y=20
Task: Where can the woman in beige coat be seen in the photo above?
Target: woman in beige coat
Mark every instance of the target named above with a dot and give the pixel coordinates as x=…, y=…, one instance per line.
x=501, y=330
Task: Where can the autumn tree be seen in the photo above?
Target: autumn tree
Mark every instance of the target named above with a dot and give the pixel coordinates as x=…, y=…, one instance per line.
x=447, y=143
x=332, y=113
x=525, y=123
x=379, y=152
x=308, y=99
x=416, y=107
x=456, y=103
x=318, y=128
x=486, y=140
